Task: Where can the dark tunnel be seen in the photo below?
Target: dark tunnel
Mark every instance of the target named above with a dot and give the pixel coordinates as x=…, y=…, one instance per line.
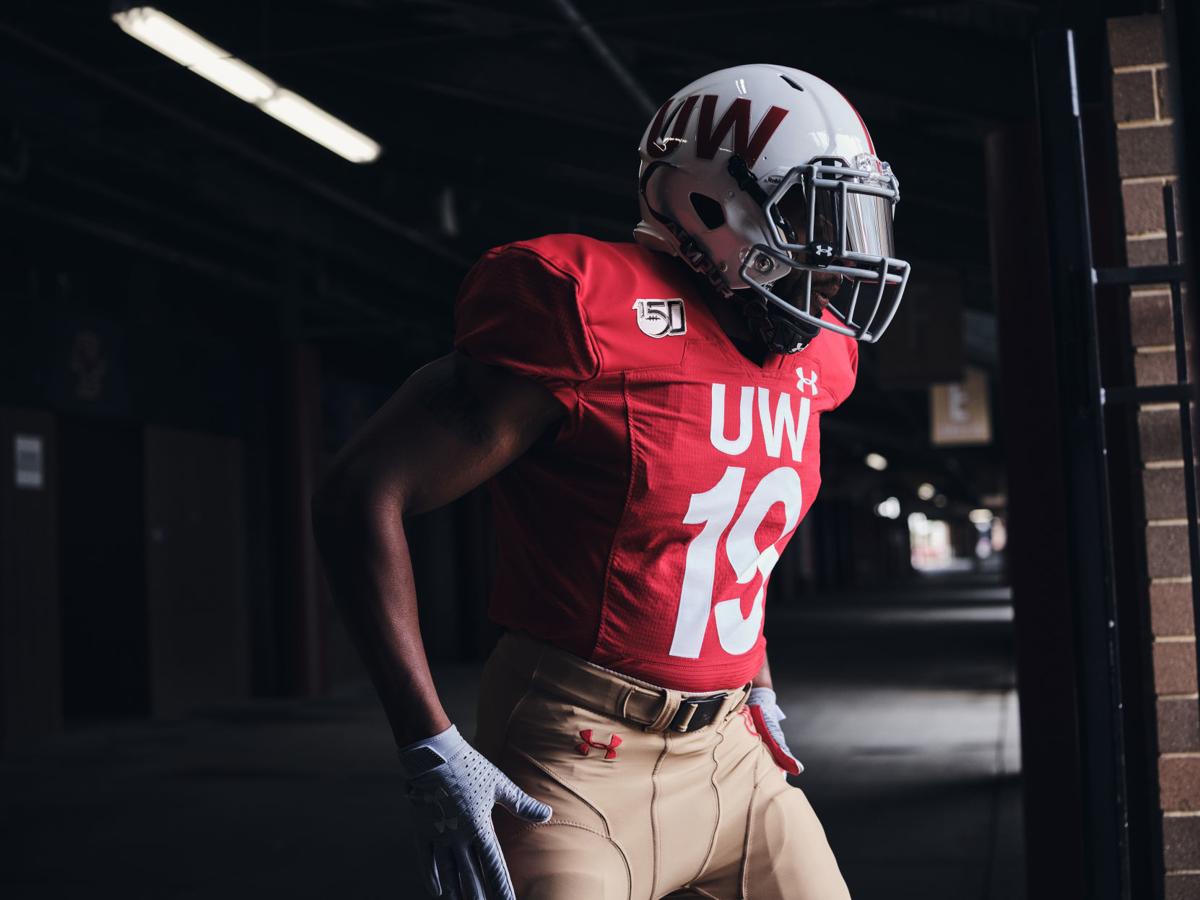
x=254, y=366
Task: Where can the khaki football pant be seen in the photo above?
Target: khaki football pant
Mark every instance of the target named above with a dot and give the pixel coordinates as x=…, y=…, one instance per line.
x=640, y=812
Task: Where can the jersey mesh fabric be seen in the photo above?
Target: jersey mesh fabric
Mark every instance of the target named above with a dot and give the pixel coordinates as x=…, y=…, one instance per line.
x=642, y=537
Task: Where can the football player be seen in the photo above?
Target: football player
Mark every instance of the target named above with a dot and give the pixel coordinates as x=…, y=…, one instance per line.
x=648, y=417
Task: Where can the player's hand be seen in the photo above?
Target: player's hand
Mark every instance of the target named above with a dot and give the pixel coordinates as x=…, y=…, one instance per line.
x=767, y=715
x=453, y=789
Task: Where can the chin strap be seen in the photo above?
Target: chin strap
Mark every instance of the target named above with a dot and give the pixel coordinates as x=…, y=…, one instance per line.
x=779, y=333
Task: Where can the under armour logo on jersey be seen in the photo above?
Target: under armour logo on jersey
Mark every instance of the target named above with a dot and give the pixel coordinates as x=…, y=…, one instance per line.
x=823, y=250
x=803, y=384
x=610, y=749
x=661, y=318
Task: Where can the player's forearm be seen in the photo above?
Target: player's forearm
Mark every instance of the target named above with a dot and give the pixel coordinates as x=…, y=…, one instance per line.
x=366, y=558
x=763, y=678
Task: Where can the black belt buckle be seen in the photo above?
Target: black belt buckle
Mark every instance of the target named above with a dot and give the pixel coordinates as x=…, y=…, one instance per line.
x=697, y=712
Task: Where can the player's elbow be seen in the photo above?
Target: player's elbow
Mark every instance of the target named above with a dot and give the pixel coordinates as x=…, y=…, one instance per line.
x=348, y=506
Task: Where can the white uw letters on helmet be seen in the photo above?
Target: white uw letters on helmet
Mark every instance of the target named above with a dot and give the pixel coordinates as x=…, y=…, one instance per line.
x=717, y=160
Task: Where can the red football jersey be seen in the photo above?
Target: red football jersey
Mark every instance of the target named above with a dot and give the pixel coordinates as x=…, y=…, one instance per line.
x=642, y=537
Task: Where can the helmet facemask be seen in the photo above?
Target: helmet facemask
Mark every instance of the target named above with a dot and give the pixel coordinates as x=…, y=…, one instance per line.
x=844, y=228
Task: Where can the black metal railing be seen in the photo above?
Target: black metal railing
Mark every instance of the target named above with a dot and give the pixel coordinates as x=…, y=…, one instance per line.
x=1182, y=393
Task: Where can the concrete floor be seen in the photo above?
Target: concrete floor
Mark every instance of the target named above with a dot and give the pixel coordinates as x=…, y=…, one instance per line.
x=902, y=709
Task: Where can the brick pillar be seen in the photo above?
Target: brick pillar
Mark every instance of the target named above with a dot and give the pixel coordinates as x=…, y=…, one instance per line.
x=1146, y=161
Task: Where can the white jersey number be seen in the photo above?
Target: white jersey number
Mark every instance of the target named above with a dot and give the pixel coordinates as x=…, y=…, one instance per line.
x=714, y=510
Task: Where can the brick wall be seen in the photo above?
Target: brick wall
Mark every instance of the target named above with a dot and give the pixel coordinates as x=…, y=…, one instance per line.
x=1146, y=161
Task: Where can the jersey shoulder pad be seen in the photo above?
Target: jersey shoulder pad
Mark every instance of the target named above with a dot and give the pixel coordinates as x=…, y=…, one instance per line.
x=633, y=301
x=518, y=310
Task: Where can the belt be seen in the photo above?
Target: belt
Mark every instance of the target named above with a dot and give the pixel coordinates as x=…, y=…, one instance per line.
x=696, y=712
x=611, y=693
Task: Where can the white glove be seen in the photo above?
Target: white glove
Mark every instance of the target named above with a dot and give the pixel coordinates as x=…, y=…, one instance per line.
x=453, y=789
x=767, y=715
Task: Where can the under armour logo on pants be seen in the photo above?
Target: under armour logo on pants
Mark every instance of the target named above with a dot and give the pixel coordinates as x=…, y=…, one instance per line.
x=610, y=749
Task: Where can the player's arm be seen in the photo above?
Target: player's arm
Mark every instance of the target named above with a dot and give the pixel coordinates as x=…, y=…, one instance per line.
x=763, y=678
x=450, y=427
x=767, y=716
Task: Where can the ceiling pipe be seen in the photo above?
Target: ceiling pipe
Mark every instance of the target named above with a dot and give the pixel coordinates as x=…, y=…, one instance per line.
x=607, y=57
x=333, y=297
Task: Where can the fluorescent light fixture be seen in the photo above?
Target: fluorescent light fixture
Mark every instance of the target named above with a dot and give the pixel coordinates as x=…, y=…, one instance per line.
x=876, y=462
x=925, y=490
x=172, y=39
x=317, y=125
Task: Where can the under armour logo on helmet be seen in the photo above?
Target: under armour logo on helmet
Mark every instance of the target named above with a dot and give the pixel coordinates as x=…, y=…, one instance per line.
x=610, y=749
x=823, y=250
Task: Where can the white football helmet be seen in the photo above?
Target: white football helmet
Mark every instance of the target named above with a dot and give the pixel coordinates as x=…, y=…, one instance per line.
x=751, y=173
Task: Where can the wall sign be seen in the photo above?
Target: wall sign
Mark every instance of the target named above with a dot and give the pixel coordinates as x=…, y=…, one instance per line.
x=960, y=412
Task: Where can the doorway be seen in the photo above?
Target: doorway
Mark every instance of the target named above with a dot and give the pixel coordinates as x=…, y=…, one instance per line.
x=103, y=570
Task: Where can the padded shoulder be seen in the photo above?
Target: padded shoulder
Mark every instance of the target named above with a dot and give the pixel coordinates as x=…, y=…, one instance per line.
x=625, y=293
x=518, y=311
